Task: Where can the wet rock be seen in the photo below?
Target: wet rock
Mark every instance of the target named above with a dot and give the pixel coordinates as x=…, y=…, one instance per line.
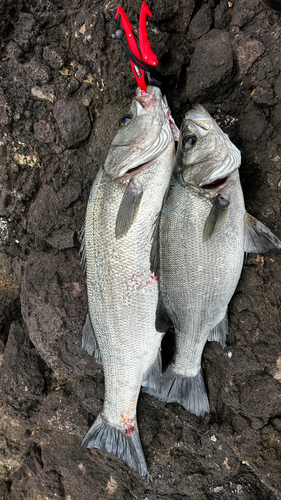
x=43, y=132
x=53, y=57
x=211, y=65
x=73, y=121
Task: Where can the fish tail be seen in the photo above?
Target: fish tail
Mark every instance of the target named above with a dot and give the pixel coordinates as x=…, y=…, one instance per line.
x=89, y=342
x=127, y=446
x=190, y=392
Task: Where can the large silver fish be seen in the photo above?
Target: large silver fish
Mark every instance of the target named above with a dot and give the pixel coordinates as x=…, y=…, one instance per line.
x=124, y=201
x=203, y=234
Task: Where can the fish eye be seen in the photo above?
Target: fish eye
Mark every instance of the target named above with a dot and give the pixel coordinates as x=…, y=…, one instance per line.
x=189, y=141
x=125, y=120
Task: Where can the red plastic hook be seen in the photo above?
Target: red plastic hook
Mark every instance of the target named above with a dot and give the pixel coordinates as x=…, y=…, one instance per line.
x=132, y=44
x=145, y=53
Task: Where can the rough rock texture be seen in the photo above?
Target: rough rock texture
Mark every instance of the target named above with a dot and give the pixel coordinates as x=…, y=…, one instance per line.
x=64, y=85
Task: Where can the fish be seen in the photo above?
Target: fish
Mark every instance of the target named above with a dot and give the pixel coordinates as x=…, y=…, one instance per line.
x=198, y=252
x=124, y=201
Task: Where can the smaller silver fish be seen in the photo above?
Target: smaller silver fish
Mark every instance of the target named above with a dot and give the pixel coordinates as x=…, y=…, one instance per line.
x=203, y=233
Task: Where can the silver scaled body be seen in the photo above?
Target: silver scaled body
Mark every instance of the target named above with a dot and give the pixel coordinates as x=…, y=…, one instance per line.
x=202, y=235
x=122, y=290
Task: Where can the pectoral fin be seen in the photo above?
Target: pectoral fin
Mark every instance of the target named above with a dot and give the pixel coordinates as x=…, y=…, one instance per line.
x=215, y=216
x=128, y=208
x=258, y=238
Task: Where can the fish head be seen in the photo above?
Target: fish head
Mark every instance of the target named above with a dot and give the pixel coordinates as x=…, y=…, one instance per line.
x=143, y=133
x=205, y=156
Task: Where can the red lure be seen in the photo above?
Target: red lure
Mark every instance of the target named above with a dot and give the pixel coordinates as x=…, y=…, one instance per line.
x=143, y=51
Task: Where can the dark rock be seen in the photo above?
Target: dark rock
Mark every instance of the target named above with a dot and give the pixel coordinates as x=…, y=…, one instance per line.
x=68, y=194
x=5, y=112
x=43, y=132
x=47, y=14
x=264, y=96
x=73, y=121
x=54, y=307
x=201, y=23
x=211, y=65
x=252, y=126
x=22, y=382
x=42, y=218
x=247, y=51
x=61, y=239
x=13, y=50
x=222, y=15
x=38, y=72
x=25, y=31
x=53, y=57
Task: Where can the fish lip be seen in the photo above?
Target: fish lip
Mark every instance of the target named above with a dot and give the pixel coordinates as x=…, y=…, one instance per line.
x=135, y=170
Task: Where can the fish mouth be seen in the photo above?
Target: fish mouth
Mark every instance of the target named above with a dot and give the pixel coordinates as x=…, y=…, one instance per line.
x=136, y=170
x=217, y=183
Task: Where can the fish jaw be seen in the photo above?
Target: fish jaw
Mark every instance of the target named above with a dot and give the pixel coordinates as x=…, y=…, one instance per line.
x=212, y=157
x=145, y=137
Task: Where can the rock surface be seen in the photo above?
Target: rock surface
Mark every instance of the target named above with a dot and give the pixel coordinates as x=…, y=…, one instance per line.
x=64, y=84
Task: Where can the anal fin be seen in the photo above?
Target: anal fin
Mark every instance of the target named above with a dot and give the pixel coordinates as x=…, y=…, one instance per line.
x=152, y=377
x=89, y=342
x=107, y=437
x=258, y=238
x=220, y=332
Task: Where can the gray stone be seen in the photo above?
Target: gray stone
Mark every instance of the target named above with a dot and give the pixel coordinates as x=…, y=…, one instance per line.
x=73, y=121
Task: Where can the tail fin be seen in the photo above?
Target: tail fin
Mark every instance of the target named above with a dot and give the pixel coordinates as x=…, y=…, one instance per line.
x=190, y=392
x=89, y=342
x=108, y=438
x=152, y=377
